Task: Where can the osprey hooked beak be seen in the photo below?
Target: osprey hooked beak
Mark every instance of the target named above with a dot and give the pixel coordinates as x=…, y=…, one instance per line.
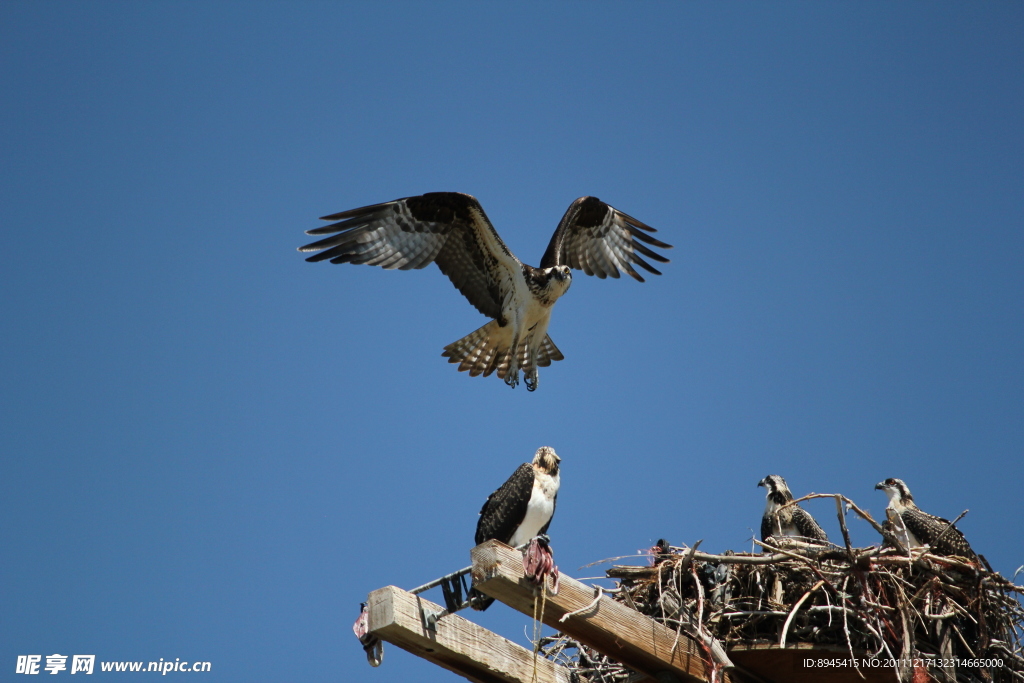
x=896, y=491
x=761, y=483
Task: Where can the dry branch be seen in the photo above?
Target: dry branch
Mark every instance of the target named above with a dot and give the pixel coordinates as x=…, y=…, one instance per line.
x=867, y=602
x=874, y=602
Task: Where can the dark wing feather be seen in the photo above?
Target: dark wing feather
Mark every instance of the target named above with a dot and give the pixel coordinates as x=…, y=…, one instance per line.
x=599, y=240
x=446, y=228
x=506, y=508
x=767, y=526
x=806, y=526
x=928, y=527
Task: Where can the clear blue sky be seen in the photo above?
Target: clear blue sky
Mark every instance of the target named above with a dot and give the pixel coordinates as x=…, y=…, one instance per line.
x=212, y=450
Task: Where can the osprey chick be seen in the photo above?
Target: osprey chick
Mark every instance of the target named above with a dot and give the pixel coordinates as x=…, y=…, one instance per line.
x=452, y=230
x=791, y=521
x=522, y=508
x=913, y=527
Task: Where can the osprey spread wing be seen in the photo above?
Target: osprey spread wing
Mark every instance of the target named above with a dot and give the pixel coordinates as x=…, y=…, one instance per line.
x=452, y=230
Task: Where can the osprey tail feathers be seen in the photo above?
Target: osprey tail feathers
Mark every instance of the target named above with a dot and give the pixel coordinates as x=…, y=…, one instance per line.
x=487, y=350
x=482, y=351
x=548, y=352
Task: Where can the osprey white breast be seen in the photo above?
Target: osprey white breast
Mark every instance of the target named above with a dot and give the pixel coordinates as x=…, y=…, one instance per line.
x=539, y=510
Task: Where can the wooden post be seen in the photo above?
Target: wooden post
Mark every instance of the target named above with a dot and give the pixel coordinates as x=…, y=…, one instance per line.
x=459, y=645
x=639, y=642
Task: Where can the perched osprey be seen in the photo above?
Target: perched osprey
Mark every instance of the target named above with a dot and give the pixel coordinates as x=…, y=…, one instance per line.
x=914, y=528
x=452, y=230
x=792, y=521
x=522, y=508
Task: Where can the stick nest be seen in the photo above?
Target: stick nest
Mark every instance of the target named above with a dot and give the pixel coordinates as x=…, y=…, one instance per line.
x=869, y=602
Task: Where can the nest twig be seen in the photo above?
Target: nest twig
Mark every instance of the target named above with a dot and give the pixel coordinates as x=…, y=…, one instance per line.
x=869, y=602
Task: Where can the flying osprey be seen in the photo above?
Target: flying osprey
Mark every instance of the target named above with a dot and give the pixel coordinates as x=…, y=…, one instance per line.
x=913, y=528
x=521, y=509
x=791, y=521
x=452, y=230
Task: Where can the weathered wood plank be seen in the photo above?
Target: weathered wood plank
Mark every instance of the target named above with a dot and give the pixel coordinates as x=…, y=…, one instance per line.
x=777, y=664
x=455, y=643
x=622, y=633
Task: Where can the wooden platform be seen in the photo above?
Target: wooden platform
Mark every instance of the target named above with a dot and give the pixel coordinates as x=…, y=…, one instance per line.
x=657, y=653
x=455, y=643
x=609, y=627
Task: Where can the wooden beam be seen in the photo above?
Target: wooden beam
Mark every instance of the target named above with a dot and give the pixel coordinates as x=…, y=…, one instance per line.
x=787, y=664
x=459, y=645
x=639, y=642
